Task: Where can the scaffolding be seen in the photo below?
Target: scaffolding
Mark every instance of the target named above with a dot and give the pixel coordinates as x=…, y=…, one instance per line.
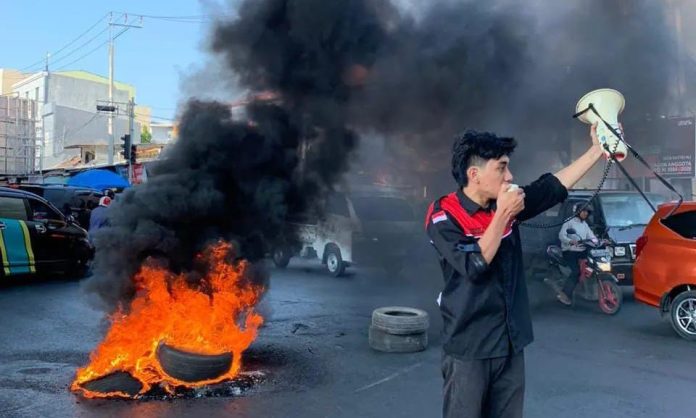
x=17, y=135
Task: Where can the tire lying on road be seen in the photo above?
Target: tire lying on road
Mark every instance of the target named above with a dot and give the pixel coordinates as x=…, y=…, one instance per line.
x=389, y=343
x=114, y=382
x=398, y=329
x=192, y=367
x=400, y=320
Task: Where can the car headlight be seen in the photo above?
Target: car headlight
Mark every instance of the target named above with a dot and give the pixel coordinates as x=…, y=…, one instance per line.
x=606, y=267
x=620, y=251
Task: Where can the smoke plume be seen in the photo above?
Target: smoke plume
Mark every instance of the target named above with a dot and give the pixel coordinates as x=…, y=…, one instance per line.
x=405, y=78
x=241, y=177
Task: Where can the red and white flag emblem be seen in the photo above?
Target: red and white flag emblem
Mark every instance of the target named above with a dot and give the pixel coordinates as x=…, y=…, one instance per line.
x=439, y=217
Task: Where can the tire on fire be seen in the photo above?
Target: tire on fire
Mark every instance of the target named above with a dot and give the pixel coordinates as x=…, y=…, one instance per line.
x=192, y=367
x=397, y=329
x=115, y=382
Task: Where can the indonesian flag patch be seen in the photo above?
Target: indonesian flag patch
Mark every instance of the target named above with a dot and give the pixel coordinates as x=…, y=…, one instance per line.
x=439, y=217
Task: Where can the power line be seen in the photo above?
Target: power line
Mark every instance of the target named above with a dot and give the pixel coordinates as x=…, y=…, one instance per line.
x=79, y=47
x=68, y=44
x=92, y=51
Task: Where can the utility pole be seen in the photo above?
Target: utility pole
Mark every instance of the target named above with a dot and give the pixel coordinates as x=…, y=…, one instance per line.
x=111, y=76
x=131, y=116
x=110, y=128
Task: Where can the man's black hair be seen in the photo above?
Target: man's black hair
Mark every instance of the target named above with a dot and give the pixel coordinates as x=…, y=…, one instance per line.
x=475, y=148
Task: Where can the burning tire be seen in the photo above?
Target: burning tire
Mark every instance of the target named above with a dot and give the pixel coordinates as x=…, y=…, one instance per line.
x=334, y=262
x=398, y=320
x=191, y=367
x=115, y=382
x=389, y=343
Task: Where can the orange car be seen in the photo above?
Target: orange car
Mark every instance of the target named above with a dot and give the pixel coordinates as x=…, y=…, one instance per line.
x=665, y=269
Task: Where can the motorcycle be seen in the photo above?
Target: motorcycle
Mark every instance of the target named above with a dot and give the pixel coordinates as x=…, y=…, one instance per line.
x=596, y=282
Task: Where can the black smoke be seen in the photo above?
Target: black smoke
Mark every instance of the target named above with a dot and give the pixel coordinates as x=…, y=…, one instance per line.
x=513, y=68
x=240, y=177
x=403, y=83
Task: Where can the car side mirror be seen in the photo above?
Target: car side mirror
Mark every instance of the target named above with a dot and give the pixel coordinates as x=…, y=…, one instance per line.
x=571, y=231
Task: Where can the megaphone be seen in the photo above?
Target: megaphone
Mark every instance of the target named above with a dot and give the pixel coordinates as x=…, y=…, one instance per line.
x=604, y=104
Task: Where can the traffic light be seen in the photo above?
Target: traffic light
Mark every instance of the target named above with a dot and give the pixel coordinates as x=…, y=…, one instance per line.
x=127, y=147
x=132, y=156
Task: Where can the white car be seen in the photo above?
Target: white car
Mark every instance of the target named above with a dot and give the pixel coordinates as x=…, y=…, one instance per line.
x=372, y=226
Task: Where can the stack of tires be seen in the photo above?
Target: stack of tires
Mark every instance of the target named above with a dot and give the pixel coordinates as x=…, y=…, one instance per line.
x=397, y=329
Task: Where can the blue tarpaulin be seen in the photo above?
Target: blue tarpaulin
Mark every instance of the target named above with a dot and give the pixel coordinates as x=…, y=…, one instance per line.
x=99, y=179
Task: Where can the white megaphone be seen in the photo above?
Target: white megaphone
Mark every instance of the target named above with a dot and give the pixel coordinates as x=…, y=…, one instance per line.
x=608, y=103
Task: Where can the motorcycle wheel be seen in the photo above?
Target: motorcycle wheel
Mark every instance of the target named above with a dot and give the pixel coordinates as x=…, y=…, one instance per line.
x=610, y=296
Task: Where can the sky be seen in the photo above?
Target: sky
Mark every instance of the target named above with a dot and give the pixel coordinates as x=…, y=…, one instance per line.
x=154, y=58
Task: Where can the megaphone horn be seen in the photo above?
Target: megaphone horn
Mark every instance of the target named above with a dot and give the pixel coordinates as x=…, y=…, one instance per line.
x=603, y=107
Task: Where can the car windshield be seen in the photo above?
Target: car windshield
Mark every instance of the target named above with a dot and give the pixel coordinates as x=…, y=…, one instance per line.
x=627, y=209
x=382, y=209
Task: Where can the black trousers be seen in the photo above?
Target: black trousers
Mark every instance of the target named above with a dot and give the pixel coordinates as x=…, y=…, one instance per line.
x=572, y=258
x=490, y=388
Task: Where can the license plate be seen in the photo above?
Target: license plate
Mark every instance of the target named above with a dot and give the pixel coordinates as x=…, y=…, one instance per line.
x=599, y=253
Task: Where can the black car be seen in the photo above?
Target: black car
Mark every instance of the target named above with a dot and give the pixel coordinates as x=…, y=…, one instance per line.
x=619, y=215
x=70, y=200
x=35, y=237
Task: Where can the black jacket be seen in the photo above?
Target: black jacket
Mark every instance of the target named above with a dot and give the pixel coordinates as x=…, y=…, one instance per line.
x=485, y=308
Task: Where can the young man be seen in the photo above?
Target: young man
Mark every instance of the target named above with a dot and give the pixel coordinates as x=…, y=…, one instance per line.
x=484, y=302
x=572, y=251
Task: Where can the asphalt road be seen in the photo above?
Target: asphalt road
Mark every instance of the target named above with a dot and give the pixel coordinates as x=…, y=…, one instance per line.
x=315, y=360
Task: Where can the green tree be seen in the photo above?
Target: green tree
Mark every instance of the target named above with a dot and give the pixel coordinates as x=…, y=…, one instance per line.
x=145, y=136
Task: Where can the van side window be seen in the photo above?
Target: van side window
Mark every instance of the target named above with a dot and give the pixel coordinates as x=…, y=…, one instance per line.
x=337, y=205
x=40, y=211
x=13, y=208
x=683, y=224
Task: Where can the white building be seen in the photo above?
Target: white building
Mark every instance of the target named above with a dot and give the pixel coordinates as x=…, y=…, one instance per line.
x=162, y=133
x=68, y=124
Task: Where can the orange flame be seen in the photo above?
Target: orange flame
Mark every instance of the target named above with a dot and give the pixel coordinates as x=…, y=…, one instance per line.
x=203, y=320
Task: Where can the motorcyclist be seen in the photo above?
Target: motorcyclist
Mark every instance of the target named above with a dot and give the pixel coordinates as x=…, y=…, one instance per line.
x=573, y=250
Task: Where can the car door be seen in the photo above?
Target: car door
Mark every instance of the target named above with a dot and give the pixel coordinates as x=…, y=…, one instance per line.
x=16, y=244
x=53, y=243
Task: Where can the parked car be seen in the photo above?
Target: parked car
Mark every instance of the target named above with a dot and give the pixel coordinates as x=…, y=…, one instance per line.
x=37, y=238
x=70, y=200
x=665, y=268
x=620, y=216
x=370, y=226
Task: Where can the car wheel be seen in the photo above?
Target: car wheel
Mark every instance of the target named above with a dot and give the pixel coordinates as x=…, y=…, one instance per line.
x=281, y=257
x=683, y=315
x=334, y=262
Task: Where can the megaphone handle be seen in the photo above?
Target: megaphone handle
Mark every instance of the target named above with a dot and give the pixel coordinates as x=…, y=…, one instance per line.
x=639, y=158
x=582, y=112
